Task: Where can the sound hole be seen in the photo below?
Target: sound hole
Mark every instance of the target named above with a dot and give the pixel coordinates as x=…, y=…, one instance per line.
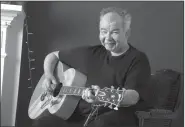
x=57, y=89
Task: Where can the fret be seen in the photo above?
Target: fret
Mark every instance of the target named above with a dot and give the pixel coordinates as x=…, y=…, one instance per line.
x=74, y=91
x=70, y=90
x=65, y=90
x=79, y=91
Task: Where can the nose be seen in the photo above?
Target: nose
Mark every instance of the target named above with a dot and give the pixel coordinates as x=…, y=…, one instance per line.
x=108, y=36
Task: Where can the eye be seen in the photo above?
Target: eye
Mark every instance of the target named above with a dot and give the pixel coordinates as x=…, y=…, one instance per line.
x=115, y=32
x=103, y=31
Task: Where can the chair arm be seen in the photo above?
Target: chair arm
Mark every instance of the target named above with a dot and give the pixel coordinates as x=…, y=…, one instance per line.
x=156, y=113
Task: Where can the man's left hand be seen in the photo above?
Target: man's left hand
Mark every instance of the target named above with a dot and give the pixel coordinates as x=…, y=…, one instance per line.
x=89, y=94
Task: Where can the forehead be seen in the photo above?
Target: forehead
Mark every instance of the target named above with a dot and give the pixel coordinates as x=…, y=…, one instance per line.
x=111, y=20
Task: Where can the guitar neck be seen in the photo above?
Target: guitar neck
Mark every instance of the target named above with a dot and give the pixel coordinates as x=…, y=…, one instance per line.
x=72, y=90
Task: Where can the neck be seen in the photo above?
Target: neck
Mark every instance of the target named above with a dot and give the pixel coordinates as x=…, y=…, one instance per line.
x=122, y=51
x=72, y=90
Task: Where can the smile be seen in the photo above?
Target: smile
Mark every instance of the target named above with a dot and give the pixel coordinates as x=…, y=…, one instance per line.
x=110, y=43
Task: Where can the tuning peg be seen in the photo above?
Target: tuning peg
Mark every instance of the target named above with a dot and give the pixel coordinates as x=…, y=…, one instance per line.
x=116, y=108
x=110, y=106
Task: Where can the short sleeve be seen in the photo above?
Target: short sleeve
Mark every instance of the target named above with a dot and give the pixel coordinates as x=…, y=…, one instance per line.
x=138, y=76
x=74, y=57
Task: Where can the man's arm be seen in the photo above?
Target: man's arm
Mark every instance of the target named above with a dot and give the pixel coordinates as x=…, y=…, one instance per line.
x=136, y=82
x=50, y=62
x=130, y=97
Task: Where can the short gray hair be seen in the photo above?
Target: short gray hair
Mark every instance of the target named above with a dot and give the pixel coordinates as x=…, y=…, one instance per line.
x=121, y=12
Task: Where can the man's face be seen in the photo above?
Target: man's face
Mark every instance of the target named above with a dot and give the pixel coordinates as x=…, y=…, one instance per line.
x=112, y=34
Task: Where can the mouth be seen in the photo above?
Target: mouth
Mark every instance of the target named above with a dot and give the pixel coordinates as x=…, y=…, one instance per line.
x=109, y=45
x=109, y=42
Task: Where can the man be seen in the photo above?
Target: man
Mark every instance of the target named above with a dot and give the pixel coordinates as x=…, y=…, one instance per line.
x=114, y=63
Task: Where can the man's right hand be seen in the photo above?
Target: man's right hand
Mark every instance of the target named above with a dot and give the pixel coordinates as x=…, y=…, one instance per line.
x=49, y=83
x=50, y=62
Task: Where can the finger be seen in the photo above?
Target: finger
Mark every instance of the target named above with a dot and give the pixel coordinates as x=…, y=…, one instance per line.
x=53, y=86
x=86, y=92
x=95, y=87
x=45, y=85
x=49, y=86
x=89, y=94
x=54, y=81
x=83, y=95
x=89, y=100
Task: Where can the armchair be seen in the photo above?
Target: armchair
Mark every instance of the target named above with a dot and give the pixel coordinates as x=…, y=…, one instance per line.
x=166, y=90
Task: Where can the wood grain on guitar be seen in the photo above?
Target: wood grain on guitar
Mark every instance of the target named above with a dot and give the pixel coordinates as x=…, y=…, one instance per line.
x=64, y=99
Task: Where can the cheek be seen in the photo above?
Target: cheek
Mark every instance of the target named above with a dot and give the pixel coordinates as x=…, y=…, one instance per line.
x=116, y=38
x=101, y=38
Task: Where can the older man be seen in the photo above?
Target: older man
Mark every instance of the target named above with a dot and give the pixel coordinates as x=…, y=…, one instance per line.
x=113, y=63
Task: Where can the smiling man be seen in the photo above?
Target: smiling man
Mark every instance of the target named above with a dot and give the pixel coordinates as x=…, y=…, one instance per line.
x=114, y=32
x=113, y=63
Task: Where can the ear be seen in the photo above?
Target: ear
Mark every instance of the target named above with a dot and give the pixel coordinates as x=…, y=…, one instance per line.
x=127, y=34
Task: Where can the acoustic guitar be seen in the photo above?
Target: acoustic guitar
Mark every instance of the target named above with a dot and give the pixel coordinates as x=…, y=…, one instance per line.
x=64, y=99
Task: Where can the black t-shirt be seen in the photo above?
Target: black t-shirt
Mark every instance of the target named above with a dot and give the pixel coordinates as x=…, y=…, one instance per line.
x=130, y=70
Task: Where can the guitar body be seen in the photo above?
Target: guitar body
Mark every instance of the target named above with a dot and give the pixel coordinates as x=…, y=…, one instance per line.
x=64, y=105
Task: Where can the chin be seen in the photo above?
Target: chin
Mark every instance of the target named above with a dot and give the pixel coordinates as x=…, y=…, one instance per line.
x=110, y=49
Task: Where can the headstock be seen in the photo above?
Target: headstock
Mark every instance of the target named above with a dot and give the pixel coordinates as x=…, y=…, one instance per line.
x=110, y=96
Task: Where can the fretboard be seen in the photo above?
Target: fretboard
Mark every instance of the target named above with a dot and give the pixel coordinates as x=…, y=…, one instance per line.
x=72, y=90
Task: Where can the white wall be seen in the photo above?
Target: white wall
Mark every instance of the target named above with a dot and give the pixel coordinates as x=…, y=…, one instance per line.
x=12, y=71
